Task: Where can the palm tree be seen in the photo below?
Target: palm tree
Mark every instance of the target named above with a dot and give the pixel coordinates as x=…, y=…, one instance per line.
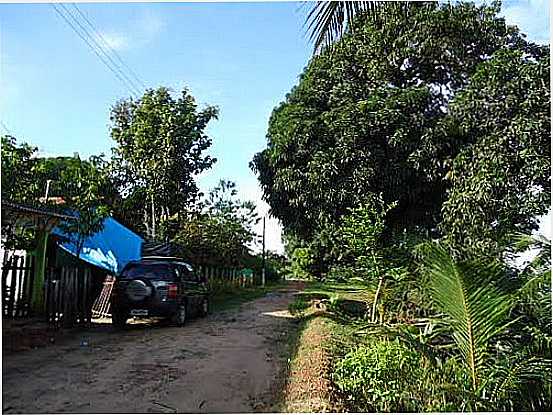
x=474, y=296
x=467, y=292
x=328, y=20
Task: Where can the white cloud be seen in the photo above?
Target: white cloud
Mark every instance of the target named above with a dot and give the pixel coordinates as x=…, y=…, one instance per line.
x=150, y=25
x=116, y=41
x=141, y=31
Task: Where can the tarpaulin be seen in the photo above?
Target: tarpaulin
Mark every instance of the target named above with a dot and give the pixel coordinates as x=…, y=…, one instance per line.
x=111, y=248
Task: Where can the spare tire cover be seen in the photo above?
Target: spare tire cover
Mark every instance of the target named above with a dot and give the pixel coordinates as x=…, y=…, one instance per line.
x=137, y=290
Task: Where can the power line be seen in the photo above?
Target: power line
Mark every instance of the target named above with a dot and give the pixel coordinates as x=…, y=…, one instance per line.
x=5, y=128
x=101, y=49
x=106, y=44
x=127, y=84
x=109, y=48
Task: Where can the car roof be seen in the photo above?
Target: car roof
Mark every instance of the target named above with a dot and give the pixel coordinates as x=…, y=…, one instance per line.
x=162, y=260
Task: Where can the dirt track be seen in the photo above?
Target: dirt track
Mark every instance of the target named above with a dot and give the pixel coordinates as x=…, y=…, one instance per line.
x=228, y=362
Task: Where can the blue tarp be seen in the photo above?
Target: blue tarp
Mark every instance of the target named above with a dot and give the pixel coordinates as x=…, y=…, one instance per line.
x=111, y=248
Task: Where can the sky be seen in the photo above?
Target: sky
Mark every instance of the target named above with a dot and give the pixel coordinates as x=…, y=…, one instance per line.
x=55, y=93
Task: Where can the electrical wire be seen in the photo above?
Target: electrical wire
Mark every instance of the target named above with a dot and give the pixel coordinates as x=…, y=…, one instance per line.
x=107, y=46
x=84, y=37
x=5, y=128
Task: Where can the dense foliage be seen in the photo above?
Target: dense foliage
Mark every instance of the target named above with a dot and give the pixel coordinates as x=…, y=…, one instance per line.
x=219, y=231
x=74, y=186
x=500, y=183
x=386, y=111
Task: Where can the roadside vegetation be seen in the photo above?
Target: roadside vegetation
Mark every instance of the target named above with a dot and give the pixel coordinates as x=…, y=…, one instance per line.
x=409, y=167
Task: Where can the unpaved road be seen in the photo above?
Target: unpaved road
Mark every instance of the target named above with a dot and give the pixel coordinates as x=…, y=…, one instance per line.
x=228, y=362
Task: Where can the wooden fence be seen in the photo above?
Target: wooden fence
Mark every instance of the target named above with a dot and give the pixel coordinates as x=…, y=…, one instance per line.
x=232, y=276
x=68, y=297
x=17, y=286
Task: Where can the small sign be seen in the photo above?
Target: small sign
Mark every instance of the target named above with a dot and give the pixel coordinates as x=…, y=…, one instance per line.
x=247, y=272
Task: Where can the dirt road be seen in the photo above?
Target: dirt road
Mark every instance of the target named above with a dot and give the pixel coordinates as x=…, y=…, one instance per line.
x=228, y=362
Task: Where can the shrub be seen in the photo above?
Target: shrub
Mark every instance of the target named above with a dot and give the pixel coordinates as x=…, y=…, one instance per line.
x=387, y=376
x=300, y=264
x=378, y=377
x=298, y=305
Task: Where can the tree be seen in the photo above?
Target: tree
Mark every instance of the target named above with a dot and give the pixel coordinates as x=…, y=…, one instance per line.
x=161, y=144
x=360, y=234
x=19, y=184
x=219, y=232
x=506, y=373
x=18, y=171
x=85, y=187
x=356, y=123
x=500, y=179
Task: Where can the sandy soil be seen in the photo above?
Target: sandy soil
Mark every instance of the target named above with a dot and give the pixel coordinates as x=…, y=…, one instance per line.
x=228, y=362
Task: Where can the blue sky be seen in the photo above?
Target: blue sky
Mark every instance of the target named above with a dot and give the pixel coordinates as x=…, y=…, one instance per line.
x=243, y=57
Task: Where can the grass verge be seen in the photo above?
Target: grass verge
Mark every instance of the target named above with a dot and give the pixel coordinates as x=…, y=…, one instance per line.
x=308, y=387
x=234, y=297
x=314, y=345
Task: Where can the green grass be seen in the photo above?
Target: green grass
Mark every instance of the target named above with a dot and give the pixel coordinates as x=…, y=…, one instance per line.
x=344, y=291
x=234, y=297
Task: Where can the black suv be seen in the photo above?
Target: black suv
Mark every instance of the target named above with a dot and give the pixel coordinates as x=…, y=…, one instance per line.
x=158, y=287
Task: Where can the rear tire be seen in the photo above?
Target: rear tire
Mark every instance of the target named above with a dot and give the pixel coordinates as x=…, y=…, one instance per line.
x=119, y=319
x=180, y=316
x=204, y=307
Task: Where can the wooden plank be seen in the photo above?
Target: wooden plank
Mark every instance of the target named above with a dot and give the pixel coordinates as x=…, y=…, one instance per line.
x=19, y=289
x=47, y=294
x=5, y=271
x=11, y=298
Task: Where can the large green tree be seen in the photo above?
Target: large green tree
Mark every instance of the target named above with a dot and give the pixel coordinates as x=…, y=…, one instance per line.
x=355, y=124
x=501, y=182
x=160, y=148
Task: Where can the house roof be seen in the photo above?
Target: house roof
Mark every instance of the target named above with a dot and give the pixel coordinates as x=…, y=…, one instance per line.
x=31, y=215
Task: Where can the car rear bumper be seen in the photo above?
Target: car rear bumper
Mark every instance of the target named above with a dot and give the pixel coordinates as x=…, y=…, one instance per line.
x=163, y=309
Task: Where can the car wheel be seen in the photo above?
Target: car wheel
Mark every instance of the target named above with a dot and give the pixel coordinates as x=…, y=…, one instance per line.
x=180, y=316
x=119, y=319
x=204, y=311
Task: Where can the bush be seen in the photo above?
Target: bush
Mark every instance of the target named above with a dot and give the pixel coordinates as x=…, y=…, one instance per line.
x=298, y=305
x=378, y=377
x=387, y=376
x=300, y=264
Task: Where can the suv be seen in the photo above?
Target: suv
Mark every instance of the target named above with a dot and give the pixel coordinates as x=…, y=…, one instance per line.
x=158, y=287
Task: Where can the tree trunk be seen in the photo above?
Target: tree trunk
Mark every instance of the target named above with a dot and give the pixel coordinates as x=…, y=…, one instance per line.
x=380, y=283
x=146, y=221
x=153, y=217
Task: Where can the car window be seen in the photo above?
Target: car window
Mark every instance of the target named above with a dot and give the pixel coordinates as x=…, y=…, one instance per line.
x=187, y=274
x=154, y=271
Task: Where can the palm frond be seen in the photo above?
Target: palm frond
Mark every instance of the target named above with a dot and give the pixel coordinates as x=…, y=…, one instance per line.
x=511, y=380
x=468, y=293
x=328, y=20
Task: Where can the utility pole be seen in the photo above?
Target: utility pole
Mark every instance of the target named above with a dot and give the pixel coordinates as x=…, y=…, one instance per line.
x=47, y=190
x=263, y=270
